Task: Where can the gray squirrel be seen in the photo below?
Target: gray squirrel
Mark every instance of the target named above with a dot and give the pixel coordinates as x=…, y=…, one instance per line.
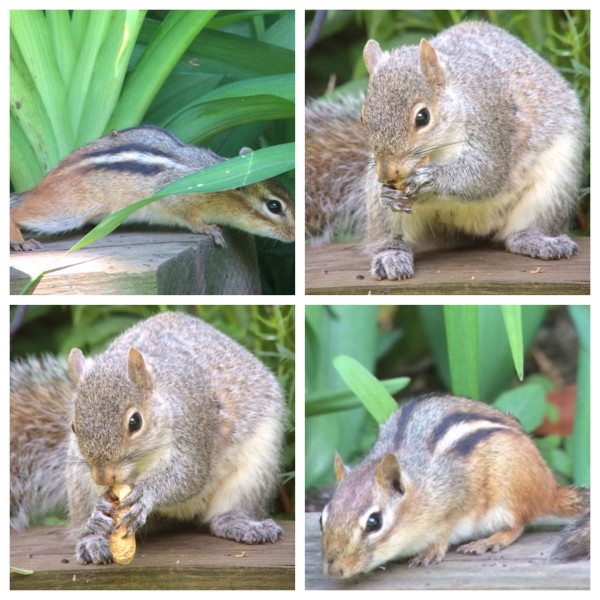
x=187, y=417
x=471, y=136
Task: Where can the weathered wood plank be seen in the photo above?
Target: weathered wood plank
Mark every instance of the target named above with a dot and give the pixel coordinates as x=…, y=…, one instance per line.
x=169, y=560
x=520, y=566
x=142, y=263
x=343, y=268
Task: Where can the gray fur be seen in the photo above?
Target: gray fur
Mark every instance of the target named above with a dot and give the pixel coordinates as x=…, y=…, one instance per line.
x=497, y=111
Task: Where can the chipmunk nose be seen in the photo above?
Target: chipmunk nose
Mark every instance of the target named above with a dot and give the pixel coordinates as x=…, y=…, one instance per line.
x=333, y=569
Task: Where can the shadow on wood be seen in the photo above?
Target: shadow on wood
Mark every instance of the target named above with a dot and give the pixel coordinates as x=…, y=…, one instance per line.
x=343, y=268
x=142, y=263
x=168, y=561
x=520, y=566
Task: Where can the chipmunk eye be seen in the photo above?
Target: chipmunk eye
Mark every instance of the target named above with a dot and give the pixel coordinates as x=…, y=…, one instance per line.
x=275, y=207
x=423, y=117
x=135, y=422
x=374, y=522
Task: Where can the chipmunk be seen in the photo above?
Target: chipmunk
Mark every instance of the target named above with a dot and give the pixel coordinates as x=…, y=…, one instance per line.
x=188, y=418
x=129, y=165
x=445, y=470
x=471, y=136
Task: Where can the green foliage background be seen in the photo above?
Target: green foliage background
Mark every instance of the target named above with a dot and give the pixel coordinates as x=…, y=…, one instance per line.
x=335, y=63
x=267, y=331
x=220, y=79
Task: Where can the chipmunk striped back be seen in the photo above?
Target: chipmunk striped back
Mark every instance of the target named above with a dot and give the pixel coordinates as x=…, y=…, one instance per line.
x=444, y=470
x=129, y=165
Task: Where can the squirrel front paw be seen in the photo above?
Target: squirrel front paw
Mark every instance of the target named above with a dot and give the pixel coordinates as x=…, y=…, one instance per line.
x=241, y=527
x=422, y=179
x=393, y=264
x=94, y=549
x=138, y=512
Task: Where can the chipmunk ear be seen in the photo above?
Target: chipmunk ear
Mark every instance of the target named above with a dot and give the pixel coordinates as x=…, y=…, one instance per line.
x=388, y=474
x=339, y=468
x=137, y=370
x=430, y=65
x=78, y=365
x=372, y=55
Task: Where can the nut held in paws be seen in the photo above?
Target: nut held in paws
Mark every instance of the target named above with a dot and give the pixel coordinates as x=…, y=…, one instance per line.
x=122, y=548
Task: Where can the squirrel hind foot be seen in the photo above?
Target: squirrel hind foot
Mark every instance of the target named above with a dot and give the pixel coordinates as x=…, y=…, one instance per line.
x=242, y=528
x=538, y=245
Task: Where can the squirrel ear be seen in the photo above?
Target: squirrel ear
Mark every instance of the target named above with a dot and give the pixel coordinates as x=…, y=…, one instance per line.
x=372, y=55
x=388, y=474
x=137, y=370
x=339, y=468
x=77, y=365
x=245, y=150
x=430, y=65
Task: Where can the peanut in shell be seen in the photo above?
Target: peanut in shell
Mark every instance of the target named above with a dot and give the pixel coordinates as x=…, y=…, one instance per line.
x=122, y=548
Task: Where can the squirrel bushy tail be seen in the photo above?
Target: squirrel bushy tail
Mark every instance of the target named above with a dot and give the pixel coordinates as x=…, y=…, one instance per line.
x=40, y=398
x=337, y=157
x=574, y=543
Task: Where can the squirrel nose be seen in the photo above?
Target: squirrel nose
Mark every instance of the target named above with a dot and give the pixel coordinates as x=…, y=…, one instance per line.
x=104, y=476
x=389, y=171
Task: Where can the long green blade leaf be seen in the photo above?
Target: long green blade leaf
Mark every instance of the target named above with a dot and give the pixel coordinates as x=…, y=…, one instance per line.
x=370, y=391
x=462, y=335
x=513, y=323
x=326, y=403
x=167, y=46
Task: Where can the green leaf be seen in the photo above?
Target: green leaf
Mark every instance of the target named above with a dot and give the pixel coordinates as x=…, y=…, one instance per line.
x=370, y=391
x=207, y=119
x=107, y=70
x=513, y=323
x=526, y=402
x=462, y=335
x=30, y=30
x=582, y=426
x=329, y=402
x=166, y=47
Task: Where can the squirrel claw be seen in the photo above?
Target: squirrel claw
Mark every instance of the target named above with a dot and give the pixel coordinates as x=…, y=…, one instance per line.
x=395, y=199
x=421, y=179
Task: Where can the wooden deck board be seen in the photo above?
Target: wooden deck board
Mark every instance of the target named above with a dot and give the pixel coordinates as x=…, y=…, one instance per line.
x=174, y=560
x=520, y=566
x=141, y=263
x=343, y=268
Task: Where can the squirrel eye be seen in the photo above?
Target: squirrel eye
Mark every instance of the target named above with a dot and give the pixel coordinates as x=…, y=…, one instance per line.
x=275, y=207
x=135, y=422
x=423, y=117
x=374, y=522
x=321, y=523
